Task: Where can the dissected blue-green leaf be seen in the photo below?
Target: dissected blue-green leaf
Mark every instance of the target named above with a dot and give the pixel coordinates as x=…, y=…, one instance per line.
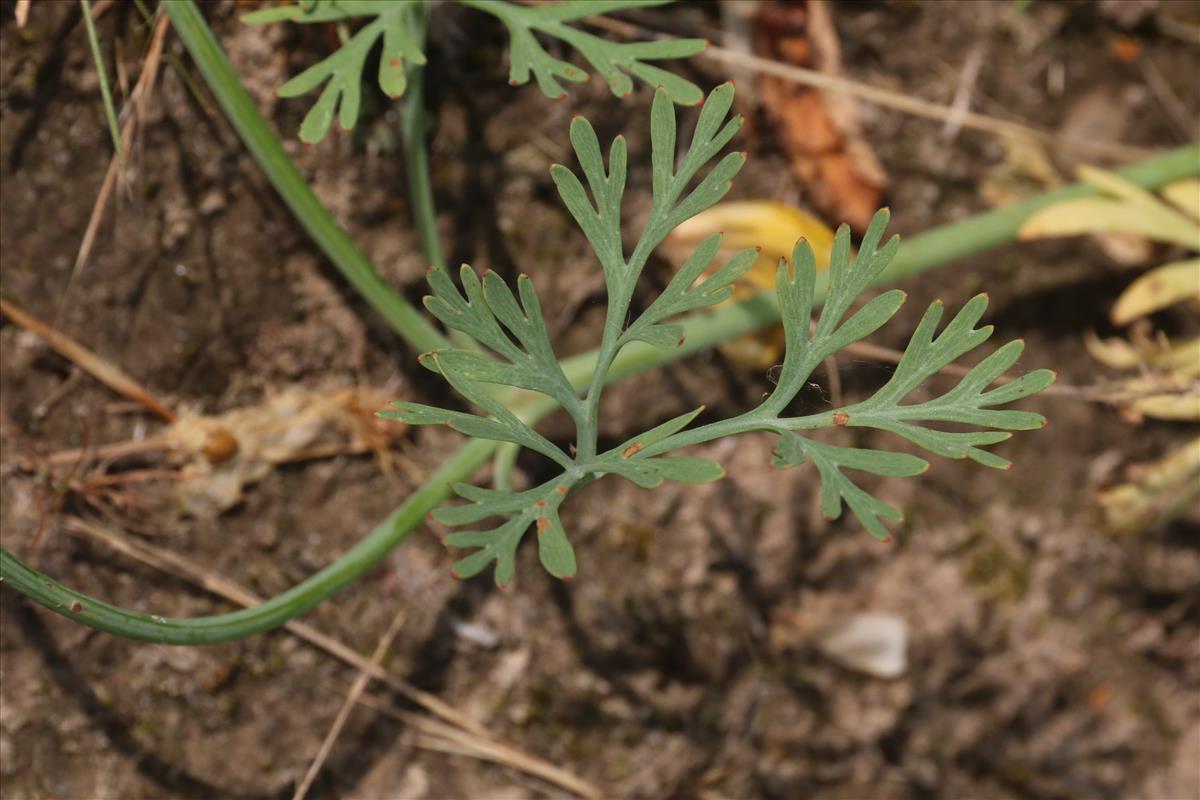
x=794, y=449
x=681, y=296
x=498, y=544
x=512, y=326
x=789, y=452
x=928, y=353
x=485, y=503
x=487, y=311
x=508, y=427
x=599, y=217
x=836, y=488
x=661, y=336
x=554, y=550
x=501, y=426
x=848, y=277
x=660, y=432
x=342, y=71
x=615, y=61
x=689, y=469
x=650, y=472
x=536, y=508
x=393, y=22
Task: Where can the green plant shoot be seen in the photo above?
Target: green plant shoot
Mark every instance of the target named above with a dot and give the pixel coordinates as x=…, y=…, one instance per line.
x=511, y=326
x=393, y=21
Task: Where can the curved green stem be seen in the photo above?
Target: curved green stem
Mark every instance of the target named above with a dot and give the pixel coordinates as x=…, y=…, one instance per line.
x=270, y=614
x=264, y=145
x=414, y=130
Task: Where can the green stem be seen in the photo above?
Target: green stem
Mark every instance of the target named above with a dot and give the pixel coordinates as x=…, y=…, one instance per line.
x=414, y=130
x=110, y=110
x=703, y=331
x=270, y=614
x=994, y=228
x=264, y=145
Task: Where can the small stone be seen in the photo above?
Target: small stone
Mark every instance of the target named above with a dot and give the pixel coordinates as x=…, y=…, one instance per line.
x=212, y=202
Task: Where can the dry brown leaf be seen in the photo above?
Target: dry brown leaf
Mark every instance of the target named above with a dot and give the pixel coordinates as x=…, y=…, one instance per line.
x=820, y=132
x=226, y=452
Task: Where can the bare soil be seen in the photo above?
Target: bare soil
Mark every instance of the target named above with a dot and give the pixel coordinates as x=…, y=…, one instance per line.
x=1047, y=659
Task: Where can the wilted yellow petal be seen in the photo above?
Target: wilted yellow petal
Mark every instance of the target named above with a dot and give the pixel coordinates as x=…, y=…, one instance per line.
x=1115, y=353
x=1115, y=185
x=1181, y=358
x=1159, y=490
x=1184, y=195
x=756, y=351
x=1185, y=406
x=1158, y=219
x=1098, y=214
x=775, y=227
x=1158, y=288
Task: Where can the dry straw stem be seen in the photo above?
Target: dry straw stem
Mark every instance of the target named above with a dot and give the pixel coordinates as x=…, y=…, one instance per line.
x=115, y=450
x=463, y=727
x=446, y=739
x=886, y=98
x=100, y=369
x=141, y=90
x=356, y=690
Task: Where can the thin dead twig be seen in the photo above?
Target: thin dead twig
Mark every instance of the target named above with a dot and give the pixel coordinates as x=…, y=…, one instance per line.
x=455, y=721
x=888, y=99
x=141, y=90
x=922, y=108
x=356, y=690
x=1175, y=108
x=115, y=450
x=169, y=562
x=967, y=78
x=1177, y=29
x=444, y=738
x=100, y=369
